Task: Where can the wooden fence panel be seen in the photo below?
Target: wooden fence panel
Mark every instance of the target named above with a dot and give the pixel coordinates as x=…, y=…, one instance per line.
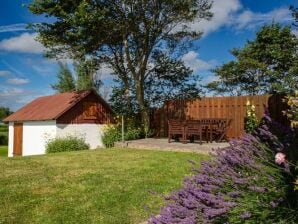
x=217, y=107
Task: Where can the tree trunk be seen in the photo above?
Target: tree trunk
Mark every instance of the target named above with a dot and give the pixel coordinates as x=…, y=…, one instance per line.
x=143, y=107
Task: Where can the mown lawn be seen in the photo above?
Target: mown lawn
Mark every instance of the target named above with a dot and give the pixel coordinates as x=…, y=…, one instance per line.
x=3, y=150
x=103, y=186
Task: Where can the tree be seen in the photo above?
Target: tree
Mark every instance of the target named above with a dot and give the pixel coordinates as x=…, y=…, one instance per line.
x=170, y=79
x=66, y=82
x=267, y=64
x=295, y=15
x=4, y=112
x=124, y=34
x=84, y=78
x=86, y=75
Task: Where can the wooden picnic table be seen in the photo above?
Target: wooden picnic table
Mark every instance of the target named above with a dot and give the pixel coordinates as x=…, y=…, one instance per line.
x=209, y=127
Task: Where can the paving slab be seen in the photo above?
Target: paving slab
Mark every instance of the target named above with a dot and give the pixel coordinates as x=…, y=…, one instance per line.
x=162, y=144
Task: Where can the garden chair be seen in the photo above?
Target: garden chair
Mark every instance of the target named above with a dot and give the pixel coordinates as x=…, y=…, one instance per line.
x=208, y=126
x=176, y=127
x=193, y=128
x=220, y=132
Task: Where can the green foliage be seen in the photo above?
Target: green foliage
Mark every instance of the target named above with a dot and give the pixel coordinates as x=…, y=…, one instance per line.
x=3, y=138
x=175, y=81
x=4, y=128
x=113, y=133
x=292, y=114
x=66, y=82
x=294, y=14
x=3, y=135
x=267, y=64
x=65, y=144
x=4, y=112
x=84, y=73
x=292, y=111
x=139, y=41
x=251, y=120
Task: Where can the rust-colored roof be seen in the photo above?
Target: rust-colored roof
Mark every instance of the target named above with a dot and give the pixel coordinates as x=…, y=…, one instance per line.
x=47, y=107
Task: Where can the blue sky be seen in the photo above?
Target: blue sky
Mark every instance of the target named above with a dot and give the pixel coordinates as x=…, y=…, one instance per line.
x=25, y=74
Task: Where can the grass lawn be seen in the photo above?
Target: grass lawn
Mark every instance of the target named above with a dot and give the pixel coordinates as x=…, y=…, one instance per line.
x=3, y=150
x=103, y=186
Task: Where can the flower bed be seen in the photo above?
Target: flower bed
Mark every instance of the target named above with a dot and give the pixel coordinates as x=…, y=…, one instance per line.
x=248, y=182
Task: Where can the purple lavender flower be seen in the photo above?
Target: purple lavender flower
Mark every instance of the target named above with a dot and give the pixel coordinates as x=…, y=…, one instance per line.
x=234, y=194
x=258, y=189
x=214, y=189
x=245, y=215
x=273, y=204
x=213, y=212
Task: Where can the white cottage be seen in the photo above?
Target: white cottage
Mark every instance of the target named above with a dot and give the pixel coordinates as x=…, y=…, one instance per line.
x=77, y=113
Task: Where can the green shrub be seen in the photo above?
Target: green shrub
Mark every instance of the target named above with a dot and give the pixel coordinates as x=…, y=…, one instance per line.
x=3, y=135
x=64, y=144
x=133, y=133
x=3, y=128
x=113, y=133
x=3, y=138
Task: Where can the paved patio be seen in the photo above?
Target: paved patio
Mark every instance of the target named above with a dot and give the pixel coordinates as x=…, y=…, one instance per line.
x=163, y=145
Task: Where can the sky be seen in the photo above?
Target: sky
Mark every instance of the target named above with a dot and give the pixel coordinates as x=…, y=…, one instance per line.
x=26, y=74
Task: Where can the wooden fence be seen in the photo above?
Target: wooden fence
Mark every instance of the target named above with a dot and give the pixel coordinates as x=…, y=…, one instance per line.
x=217, y=107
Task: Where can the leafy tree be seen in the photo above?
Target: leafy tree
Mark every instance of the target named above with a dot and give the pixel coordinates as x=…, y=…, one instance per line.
x=129, y=36
x=4, y=112
x=294, y=14
x=84, y=78
x=66, y=82
x=265, y=65
x=170, y=79
x=86, y=75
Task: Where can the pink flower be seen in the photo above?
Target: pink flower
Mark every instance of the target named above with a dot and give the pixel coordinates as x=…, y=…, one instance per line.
x=280, y=158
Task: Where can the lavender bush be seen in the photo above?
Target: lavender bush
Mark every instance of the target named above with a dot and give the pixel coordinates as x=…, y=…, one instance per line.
x=243, y=184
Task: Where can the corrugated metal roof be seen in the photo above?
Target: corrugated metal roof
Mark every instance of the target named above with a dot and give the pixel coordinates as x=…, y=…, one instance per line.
x=47, y=107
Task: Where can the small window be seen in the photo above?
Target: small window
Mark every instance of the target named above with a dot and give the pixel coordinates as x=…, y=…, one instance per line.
x=90, y=110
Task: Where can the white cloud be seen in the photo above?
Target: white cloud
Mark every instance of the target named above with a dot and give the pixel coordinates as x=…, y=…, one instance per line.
x=13, y=27
x=249, y=20
x=295, y=32
x=17, y=81
x=4, y=73
x=14, y=98
x=209, y=78
x=25, y=43
x=42, y=66
x=244, y=19
x=104, y=72
x=12, y=68
x=230, y=13
x=192, y=60
x=222, y=14
x=6, y=91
